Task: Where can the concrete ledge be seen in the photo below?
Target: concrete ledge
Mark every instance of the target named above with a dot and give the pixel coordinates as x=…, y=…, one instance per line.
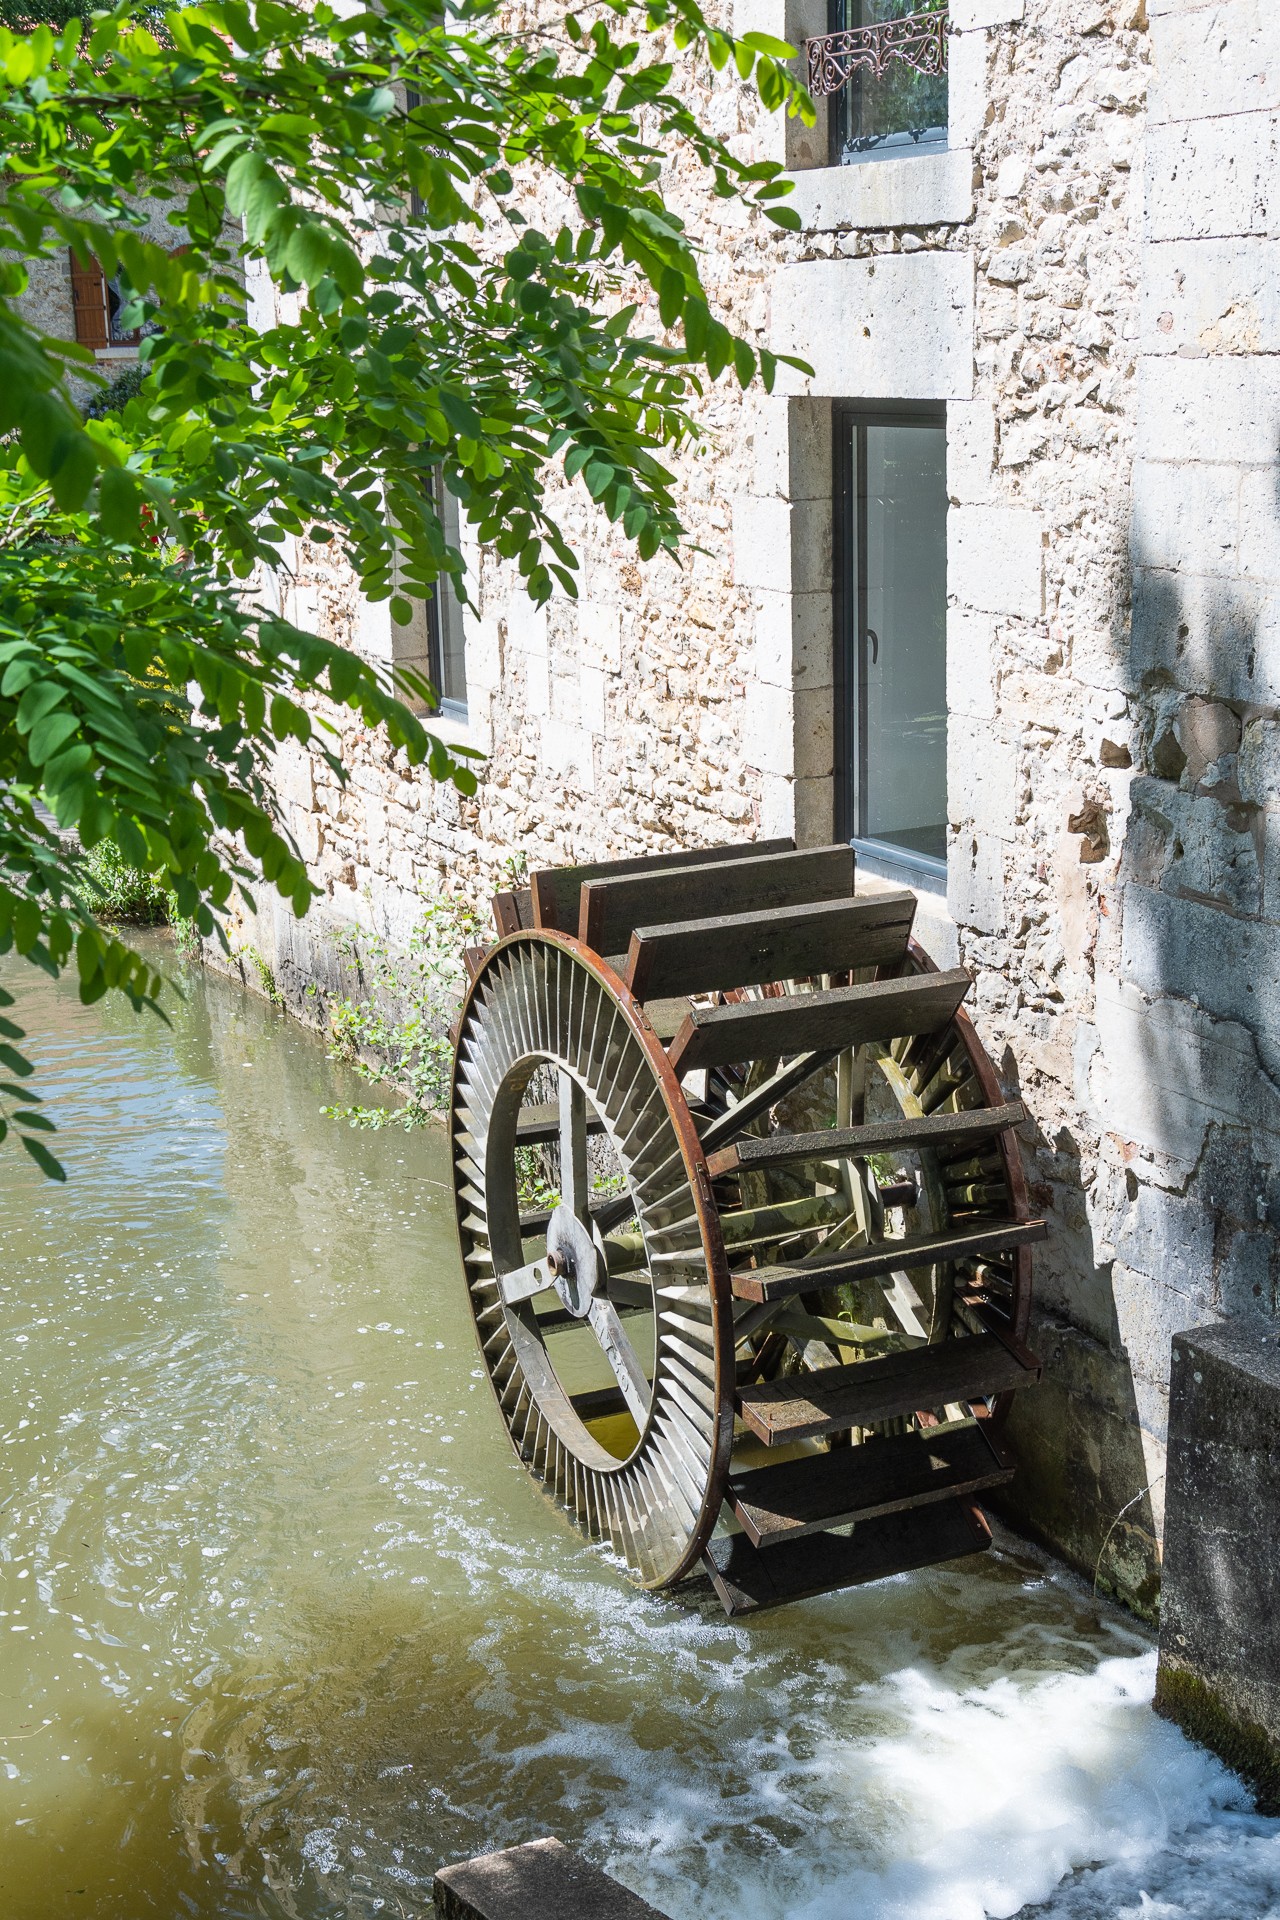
x=929, y=188
x=1219, y=1670
x=544, y=1880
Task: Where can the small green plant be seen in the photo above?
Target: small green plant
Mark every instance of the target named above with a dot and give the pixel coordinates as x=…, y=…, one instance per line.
x=266, y=978
x=396, y=1032
x=117, y=891
x=120, y=894
x=116, y=395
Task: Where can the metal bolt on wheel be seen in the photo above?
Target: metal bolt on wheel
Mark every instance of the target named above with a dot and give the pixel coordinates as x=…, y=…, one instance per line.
x=742, y=1222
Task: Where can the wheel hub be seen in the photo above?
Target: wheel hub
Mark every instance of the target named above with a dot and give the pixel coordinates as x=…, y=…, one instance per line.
x=574, y=1260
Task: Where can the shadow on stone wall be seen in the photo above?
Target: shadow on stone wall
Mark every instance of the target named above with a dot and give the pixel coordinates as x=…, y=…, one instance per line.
x=1179, y=1069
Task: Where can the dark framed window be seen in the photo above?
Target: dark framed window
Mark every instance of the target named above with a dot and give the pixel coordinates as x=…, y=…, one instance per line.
x=433, y=642
x=446, y=649
x=891, y=629
x=900, y=110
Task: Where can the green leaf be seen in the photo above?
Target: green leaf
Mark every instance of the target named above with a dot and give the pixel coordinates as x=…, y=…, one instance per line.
x=51, y=1168
x=119, y=503
x=49, y=734
x=255, y=189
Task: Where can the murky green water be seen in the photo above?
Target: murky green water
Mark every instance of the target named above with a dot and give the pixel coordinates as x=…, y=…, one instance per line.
x=283, y=1626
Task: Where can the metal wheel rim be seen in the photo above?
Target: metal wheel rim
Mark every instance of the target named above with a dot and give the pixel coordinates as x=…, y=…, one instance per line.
x=547, y=999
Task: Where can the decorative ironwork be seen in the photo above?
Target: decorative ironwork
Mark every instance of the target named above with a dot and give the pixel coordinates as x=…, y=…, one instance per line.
x=918, y=40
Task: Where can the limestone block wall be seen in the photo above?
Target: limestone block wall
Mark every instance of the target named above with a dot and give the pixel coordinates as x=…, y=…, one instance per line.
x=1086, y=278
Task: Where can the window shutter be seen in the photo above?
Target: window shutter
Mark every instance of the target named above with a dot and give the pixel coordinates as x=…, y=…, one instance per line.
x=89, y=302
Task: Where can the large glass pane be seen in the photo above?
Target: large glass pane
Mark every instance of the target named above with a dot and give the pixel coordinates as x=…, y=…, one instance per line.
x=901, y=109
x=448, y=638
x=902, y=510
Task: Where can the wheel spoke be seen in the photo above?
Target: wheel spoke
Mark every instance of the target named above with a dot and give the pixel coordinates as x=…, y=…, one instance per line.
x=606, y=1324
x=524, y=1282
x=574, y=1187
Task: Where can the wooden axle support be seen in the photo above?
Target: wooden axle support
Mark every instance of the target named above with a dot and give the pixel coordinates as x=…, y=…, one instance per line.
x=742, y=1218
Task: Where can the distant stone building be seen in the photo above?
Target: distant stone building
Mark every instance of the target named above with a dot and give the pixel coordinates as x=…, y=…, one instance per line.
x=995, y=594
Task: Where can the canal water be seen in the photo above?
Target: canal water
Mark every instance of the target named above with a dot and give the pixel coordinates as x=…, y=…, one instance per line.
x=283, y=1626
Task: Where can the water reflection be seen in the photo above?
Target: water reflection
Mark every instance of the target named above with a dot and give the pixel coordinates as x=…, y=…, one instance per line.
x=284, y=1625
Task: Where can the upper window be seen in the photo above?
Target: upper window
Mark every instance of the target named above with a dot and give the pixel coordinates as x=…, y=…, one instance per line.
x=891, y=523
x=884, y=64
x=96, y=306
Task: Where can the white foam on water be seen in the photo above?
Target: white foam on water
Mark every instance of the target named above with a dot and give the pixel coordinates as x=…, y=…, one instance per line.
x=1060, y=1793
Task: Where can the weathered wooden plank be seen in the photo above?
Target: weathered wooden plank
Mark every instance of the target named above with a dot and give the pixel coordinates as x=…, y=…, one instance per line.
x=841, y=1017
x=941, y=1133
x=807, y=1406
x=613, y=907
x=473, y=960
x=513, y=911
x=774, y=1505
x=748, y=949
x=542, y=1123
x=556, y=889
x=748, y=1581
x=885, y=1256
x=541, y=1880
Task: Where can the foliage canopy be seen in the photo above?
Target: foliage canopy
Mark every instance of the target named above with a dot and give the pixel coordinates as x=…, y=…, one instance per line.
x=355, y=305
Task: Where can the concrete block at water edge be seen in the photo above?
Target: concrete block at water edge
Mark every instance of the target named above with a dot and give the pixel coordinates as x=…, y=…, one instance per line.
x=995, y=560
x=544, y=1880
x=1219, y=1668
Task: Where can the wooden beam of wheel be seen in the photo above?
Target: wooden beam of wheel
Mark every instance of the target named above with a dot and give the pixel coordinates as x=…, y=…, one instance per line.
x=611, y=908
x=554, y=891
x=966, y=1240
x=842, y=1017
x=942, y=1133
x=808, y=1406
x=748, y=949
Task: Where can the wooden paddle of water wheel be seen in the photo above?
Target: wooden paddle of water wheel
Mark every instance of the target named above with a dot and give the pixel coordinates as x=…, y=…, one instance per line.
x=742, y=1219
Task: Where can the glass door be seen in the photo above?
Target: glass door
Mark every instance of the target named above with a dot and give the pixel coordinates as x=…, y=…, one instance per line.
x=891, y=516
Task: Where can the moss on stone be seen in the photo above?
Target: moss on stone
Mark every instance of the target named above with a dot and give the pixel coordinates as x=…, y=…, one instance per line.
x=1247, y=1748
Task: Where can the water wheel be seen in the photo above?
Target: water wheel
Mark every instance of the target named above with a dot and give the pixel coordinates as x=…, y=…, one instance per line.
x=742, y=1219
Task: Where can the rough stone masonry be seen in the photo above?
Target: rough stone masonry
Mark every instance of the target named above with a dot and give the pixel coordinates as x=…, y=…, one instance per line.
x=1087, y=276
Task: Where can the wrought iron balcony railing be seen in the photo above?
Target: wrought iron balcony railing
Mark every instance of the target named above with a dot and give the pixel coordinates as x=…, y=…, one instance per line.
x=918, y=41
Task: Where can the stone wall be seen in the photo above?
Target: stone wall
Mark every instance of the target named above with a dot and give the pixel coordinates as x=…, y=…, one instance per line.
x=1087, y=278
